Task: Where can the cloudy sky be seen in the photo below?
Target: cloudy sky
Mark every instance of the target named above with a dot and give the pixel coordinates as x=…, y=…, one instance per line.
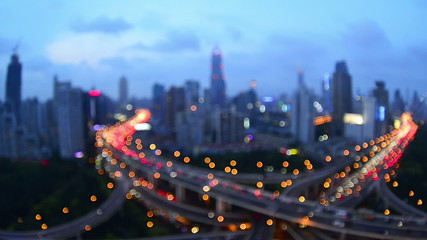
x=94, y=43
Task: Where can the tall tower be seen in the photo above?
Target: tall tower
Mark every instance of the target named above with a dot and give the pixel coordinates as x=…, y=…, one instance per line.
x=218, y=96
x=175, y=103
x=192, y=93
x=159, y=103
x=326, y=93
x=341, y=96
x=123, y=92
x=398, y=104
x=382, y=110
x=69, y=116
x=13, y=86
x=302, y=112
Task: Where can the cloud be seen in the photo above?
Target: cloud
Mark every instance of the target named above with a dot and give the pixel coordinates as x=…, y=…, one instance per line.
x=38, y=63
x=419, y=52
x=177, y=41
x=174, y=41
x=139, y=46
x=117, y=62
x=123, y=64
x=372, y=55
x=365, y=34
x=83, y=48
x=295, y=53
x=234, y=33
x=102, y=24
x=273, y=63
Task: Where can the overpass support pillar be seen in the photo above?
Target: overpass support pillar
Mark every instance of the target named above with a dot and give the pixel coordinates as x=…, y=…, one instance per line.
x=222, y=206
x=151, y=179
x=180, y=192
x=306, y=192
x=343, y=235
x=316, y=190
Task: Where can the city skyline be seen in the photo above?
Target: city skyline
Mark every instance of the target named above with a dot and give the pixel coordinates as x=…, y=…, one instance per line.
x=226, y=120
x=94, y=44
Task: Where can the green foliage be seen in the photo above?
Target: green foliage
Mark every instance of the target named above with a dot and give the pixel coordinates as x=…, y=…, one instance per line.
x=413, y=169
x=30, y=188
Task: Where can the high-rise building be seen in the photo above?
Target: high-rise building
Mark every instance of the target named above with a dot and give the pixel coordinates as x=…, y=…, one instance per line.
x=207, y=96
x=245, y=102
x=69, y=114
x=218, y=95
x=8, y=128
x=175, y=103
x=13, y=86
x=382, y=112
x=192, y=92
x=341, y=96
x=30, y=110
x=49, y=130
x=360, y=126
x=368, y=118
x=189, y=129
x=98, y=108
x=303, y=112
x=417, y=107
x=123, y=92
x=159, y=104
x=226, y=126
x=398, y=105
x=326, y=93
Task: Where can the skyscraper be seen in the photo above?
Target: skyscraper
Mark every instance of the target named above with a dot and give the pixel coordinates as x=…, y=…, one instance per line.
x=303, y=112
x=326, y=93
x=13, y=86
x=341, y=96
x=159, y=104
x=382, y=112
x=175, y=103
x=398, y=104
x=218, y=96
x=69, y=116
x=192, y=92
x=7, y=133
x=417, y=106
x=123, y=92
x=245, y=102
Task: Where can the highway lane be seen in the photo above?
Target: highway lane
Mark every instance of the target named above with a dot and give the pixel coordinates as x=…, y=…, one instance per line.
x=294, y=211
x=351, y=201
x=398, y=204
x=382, y=160
x=203, y=215
x=316, y=177
x=281, y=207
x=338, y=163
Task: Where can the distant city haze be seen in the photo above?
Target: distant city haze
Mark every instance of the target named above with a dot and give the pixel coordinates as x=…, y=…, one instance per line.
x=93, y=44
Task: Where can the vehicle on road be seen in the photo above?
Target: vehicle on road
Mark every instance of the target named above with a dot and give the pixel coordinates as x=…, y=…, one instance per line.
x=338, y=223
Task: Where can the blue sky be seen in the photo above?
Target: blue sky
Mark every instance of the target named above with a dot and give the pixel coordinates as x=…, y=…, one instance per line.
x=94, y=43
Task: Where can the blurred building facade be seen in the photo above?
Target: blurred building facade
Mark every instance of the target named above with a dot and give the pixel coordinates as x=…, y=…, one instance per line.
x=341, y=96
x=382, y=108
x=13, y=86
x=218, y=91
x=123, y=93
x=303, y=112
x=69, y=116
